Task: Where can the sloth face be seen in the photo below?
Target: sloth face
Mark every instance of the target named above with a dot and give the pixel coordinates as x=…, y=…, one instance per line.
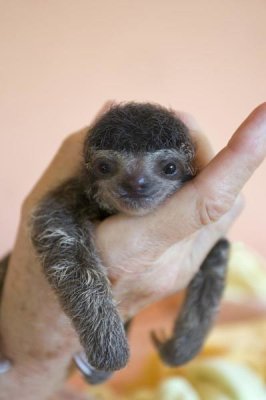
x=137, y=155
x=137, y=183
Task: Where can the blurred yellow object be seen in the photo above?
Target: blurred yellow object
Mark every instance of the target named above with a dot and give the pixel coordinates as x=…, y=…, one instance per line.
x=176, y=389
x=204, y=379
x=243, y=342
x=246, y=275
x=220, y=379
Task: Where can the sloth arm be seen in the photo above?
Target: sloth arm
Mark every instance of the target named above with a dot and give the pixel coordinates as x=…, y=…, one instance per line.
x=63, y=237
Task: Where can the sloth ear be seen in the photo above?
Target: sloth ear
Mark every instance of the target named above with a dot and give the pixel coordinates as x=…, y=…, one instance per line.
x=188, y=151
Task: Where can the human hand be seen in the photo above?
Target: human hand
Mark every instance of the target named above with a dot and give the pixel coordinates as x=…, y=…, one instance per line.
x=158, y=254
x=169, y=245
x=143, y=250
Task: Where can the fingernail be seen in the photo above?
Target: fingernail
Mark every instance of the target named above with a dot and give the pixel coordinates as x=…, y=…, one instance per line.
x=5, y=366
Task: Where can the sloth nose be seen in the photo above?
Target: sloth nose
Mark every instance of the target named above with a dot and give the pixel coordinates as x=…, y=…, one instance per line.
x=136, y=185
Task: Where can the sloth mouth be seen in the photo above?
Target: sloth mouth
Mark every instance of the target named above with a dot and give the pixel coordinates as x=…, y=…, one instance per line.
x=137, y=196
x=137, y=200
x=137, y=204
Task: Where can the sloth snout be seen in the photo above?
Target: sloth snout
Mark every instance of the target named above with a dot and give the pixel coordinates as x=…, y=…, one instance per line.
x=136, y=186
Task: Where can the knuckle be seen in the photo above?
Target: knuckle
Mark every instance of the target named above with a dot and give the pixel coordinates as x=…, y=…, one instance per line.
x=211, y=209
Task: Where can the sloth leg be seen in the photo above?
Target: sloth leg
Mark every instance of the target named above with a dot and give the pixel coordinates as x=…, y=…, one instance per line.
x=92, y=375
x=198, y=310
x=65, y=245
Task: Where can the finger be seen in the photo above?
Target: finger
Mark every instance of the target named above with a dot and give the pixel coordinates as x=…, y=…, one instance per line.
x=106, y=107
x=5, y=366
x=214, y=190
x=204, y=150
x=73, y=145
x=218, y=185
x=212, y=233
x=227, y=220
x=65, y=164
x=80, y=136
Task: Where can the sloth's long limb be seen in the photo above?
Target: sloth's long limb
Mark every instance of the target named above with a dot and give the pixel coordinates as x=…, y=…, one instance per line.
x=198, y=310
x=63, y=238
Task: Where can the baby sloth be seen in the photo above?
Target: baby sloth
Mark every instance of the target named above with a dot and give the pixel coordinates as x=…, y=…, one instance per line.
x=135, y=157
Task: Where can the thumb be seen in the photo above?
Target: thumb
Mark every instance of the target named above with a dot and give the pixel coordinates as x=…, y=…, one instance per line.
x=212, y=193
x=218, y=185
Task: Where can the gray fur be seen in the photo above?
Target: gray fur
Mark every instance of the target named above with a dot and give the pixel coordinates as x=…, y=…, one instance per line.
x=64, y=242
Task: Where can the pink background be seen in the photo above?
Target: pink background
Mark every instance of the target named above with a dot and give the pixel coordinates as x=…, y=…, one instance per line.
x=61, y=59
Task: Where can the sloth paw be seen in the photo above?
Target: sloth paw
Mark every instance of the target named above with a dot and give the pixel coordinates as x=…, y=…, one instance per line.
x=106, y=344
x=176, y=352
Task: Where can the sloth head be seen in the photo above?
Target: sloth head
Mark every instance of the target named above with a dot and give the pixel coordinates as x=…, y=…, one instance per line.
x=136, y=155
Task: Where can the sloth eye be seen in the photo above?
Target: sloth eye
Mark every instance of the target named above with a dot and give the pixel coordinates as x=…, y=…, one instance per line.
x=104, y=167
x=169, y=169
